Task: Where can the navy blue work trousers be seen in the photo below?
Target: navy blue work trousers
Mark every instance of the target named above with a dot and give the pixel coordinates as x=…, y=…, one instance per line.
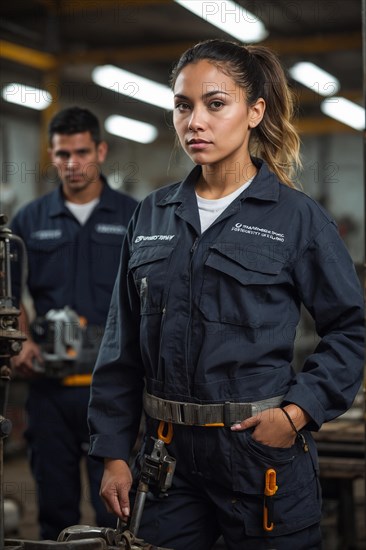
x=58, y=441
x=218, y=490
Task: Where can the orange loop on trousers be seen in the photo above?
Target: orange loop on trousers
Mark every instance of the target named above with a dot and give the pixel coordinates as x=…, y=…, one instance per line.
x=270, y=487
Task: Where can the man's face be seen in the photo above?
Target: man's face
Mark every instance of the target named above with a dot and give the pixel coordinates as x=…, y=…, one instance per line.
x=77, y=159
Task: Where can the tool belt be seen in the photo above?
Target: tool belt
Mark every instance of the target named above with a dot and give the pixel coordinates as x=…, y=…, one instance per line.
x=193, y=414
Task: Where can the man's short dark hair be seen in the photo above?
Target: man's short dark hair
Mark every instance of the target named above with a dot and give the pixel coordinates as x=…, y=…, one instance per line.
x=74, y=120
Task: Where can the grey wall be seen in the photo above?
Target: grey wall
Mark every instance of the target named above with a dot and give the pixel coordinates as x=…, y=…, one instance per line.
x=333, y=174
x=19, y=161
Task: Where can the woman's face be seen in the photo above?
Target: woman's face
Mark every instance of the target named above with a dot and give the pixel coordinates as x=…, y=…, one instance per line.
x=211, y=116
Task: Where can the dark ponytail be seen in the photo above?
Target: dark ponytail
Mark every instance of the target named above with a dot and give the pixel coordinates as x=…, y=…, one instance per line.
x=275, y=139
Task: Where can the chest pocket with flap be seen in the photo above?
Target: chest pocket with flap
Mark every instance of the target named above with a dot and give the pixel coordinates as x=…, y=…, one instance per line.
x=49, y=260
x=237, y=287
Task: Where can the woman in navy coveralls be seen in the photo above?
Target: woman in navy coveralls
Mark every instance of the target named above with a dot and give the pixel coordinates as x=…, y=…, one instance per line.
x=204, y=312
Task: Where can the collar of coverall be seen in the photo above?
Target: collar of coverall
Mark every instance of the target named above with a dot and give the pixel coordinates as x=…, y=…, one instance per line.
x=107, y=200
x=265, y=186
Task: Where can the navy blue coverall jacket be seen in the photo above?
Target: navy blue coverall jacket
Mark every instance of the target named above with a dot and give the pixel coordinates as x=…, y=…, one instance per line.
x=210, y=318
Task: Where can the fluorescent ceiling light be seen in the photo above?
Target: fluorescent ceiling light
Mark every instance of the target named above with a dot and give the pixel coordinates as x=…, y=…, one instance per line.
x=345, y=111
x=128, y=128
x=315, y=78
x=27, y=96
x=133, y=85
x=229, y=17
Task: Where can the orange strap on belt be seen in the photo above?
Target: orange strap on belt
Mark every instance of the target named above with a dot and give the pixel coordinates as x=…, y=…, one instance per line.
x=77, y=380
x=169, y=434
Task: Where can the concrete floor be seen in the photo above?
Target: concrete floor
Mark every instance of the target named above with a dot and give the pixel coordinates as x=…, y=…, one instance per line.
x=19, y=486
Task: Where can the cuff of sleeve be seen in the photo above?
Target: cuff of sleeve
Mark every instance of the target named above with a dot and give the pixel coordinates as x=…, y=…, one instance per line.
x=304, y=398
x=106, y=446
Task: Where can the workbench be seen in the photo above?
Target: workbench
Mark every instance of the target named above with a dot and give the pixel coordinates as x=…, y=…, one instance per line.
x=341, y=446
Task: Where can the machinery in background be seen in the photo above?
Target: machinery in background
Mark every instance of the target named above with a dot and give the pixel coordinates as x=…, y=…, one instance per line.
x=10, y=345
x=60, y=335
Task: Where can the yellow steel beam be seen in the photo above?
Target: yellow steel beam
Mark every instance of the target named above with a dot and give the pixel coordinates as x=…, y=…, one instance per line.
x=171, y=51
x=168, y=52
x=152, y=52
x=317, y=44
x=27, y=56
x=307, y=97
x=320, y=125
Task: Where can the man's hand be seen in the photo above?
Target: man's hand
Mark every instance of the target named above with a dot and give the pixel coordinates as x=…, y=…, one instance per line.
x=272, y=427
x=115, y=486
x=23, y=363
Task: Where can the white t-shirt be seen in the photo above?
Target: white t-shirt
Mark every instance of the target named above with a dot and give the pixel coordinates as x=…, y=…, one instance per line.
x=82, y=211
x=210, y=209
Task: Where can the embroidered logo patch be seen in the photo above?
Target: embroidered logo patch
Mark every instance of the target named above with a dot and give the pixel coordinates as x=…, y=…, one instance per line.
x=140, y=238
x=110, y=229
x=46, y=234
x=259, y=232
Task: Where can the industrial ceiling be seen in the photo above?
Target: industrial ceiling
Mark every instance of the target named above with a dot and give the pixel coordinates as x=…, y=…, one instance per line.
x=56, y=44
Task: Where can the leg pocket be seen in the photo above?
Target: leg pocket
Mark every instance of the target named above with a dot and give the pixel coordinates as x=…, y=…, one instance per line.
x=297, y=502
